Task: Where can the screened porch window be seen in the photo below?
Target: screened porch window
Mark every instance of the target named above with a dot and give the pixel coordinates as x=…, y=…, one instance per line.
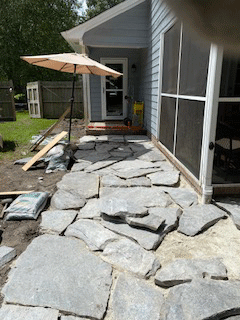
x=183, y=96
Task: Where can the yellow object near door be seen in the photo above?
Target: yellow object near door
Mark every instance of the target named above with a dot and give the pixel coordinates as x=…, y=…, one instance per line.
x=138, y=109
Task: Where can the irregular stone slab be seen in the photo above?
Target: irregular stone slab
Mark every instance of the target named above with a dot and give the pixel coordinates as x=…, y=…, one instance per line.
x=87, y=139
x=148, y=240
x=134, y=164
x=202, y=299
x=170, y=217
x=233, y=209
x=144, y=197
x=63, y=199
x=136, y=138
x=91, y=155
x=100, y=165
x=92, y=233
x=60, y=273
x=116, y=138
x=80, y=165
x=113, y=181
x=184, y=270
x=12, y=312
x=72, y=318
x=134, y=173
x=86, y=145
x=151, y=221
x=129, y=256
x=135, y=299
x=167, y=166
x=91, y=210
x=164, y=178
x=182, y=196
x=150, y=155
x=56, y=221
x=119, y=207
x=6, y=255
x=84, y=184
x=102, y=138
x=139, y=182
x=199, y=218
x=123, y=151
x=104, y=147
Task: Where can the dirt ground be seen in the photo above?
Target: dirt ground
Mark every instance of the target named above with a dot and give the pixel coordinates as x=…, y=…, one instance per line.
x=19, y=234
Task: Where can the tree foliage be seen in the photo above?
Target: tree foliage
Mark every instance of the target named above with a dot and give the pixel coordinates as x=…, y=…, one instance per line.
x=95, y=7
x=33, y=27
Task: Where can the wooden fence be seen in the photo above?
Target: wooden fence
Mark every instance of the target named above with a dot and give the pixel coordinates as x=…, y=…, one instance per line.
x=48, y=99
x=7, y=106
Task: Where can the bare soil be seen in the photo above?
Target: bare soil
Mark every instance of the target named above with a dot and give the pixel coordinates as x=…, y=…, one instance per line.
x=19, y=234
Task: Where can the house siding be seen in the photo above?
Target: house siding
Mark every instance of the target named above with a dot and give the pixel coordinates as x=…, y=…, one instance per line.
x=134, y=79
x=127, y=30
x=160, y=18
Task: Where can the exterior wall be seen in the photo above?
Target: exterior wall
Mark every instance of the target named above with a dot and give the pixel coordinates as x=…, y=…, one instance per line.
x=159, y=20
x=127, y=30
x=134, y=78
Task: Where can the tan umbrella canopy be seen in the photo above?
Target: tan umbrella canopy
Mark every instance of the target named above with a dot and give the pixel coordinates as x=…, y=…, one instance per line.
x=72, y=63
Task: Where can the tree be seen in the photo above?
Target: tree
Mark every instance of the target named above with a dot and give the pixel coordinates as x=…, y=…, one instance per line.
x=95, y=7
x=33, y=27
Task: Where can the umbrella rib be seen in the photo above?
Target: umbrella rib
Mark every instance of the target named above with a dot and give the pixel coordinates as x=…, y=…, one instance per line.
x=40, y=61
x=62, y=66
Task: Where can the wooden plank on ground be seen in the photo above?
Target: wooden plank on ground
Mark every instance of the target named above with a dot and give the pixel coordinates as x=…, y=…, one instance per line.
x=8, y=193
x=44, y=150
x=34, y=146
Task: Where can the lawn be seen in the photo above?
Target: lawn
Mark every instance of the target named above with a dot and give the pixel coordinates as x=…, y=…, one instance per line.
x=17, y=134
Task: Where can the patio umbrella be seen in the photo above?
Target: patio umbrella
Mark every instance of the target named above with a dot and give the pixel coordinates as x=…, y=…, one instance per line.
x=72, y=63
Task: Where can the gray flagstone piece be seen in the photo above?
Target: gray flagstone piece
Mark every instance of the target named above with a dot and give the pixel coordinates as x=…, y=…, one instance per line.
x=202, y=299
x=113, y=181
x=136, y=138
x=134, y=299
x=6, y=255
x=92, y=233
x=182, y=196
x=86, y=145
x=233, y=209
x=167, y=166
x=56, y=221
x=120, y=207
x=84, y=184
x=102, y=138
x=143, y=196
x=170, y=217
x=129, y=256
x=164, y=178
x=148, y=240
x=91, y=210
x=134, y=164
x=184, y=270
x=104, y=147
x=100, y=165
x=72, y=318
x=116, y=138
x=104, y=171
x=151, y=221
x=60, y=273
x=135, y=173
x=91, y=155
x=138, y=182
x=198, y=218
x=12, y=312
x=87, y=139
x=63, y=199
x=80, y=165
x=151, y=155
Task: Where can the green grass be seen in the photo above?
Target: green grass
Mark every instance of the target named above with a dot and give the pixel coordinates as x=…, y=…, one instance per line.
x=17, y=135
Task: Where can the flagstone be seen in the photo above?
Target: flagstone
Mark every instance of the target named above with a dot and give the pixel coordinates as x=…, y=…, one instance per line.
x=91, y=210
x=129, y=256
x=63, y=199
x=100, y=165
x=182, y=196
x=198, y=218
x=80, y=165
x=56, y=221
x=151, y=221
x=60, y=273
x=89, y=145
x=135, y=299
x=113, y=181
x=6, y=255
x=91, y=155
x=233, y=209
x=138, y=182
x=151, y=155
x=13, y=312
x=164, y=178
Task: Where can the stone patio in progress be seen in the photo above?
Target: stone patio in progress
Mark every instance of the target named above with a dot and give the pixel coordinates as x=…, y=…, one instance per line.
x=125, y=238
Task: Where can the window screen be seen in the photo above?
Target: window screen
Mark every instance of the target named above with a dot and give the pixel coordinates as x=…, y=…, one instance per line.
x=189, y=134
x=171, y=57
x=230, y=81
x=194, y=66
x=167, y=122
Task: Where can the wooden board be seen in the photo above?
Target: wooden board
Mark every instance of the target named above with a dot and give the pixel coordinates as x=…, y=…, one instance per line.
x=44, y=150
x=34, y=146
x=9, y=193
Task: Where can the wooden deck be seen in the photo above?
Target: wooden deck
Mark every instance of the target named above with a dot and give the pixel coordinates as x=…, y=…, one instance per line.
x=112, y=127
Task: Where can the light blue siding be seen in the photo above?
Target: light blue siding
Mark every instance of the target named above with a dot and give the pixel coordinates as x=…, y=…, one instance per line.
x=160, y=17
x=127, y=30
x=134, y=78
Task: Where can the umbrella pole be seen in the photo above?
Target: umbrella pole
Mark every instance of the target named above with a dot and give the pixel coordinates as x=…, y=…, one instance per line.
x=72, y=101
